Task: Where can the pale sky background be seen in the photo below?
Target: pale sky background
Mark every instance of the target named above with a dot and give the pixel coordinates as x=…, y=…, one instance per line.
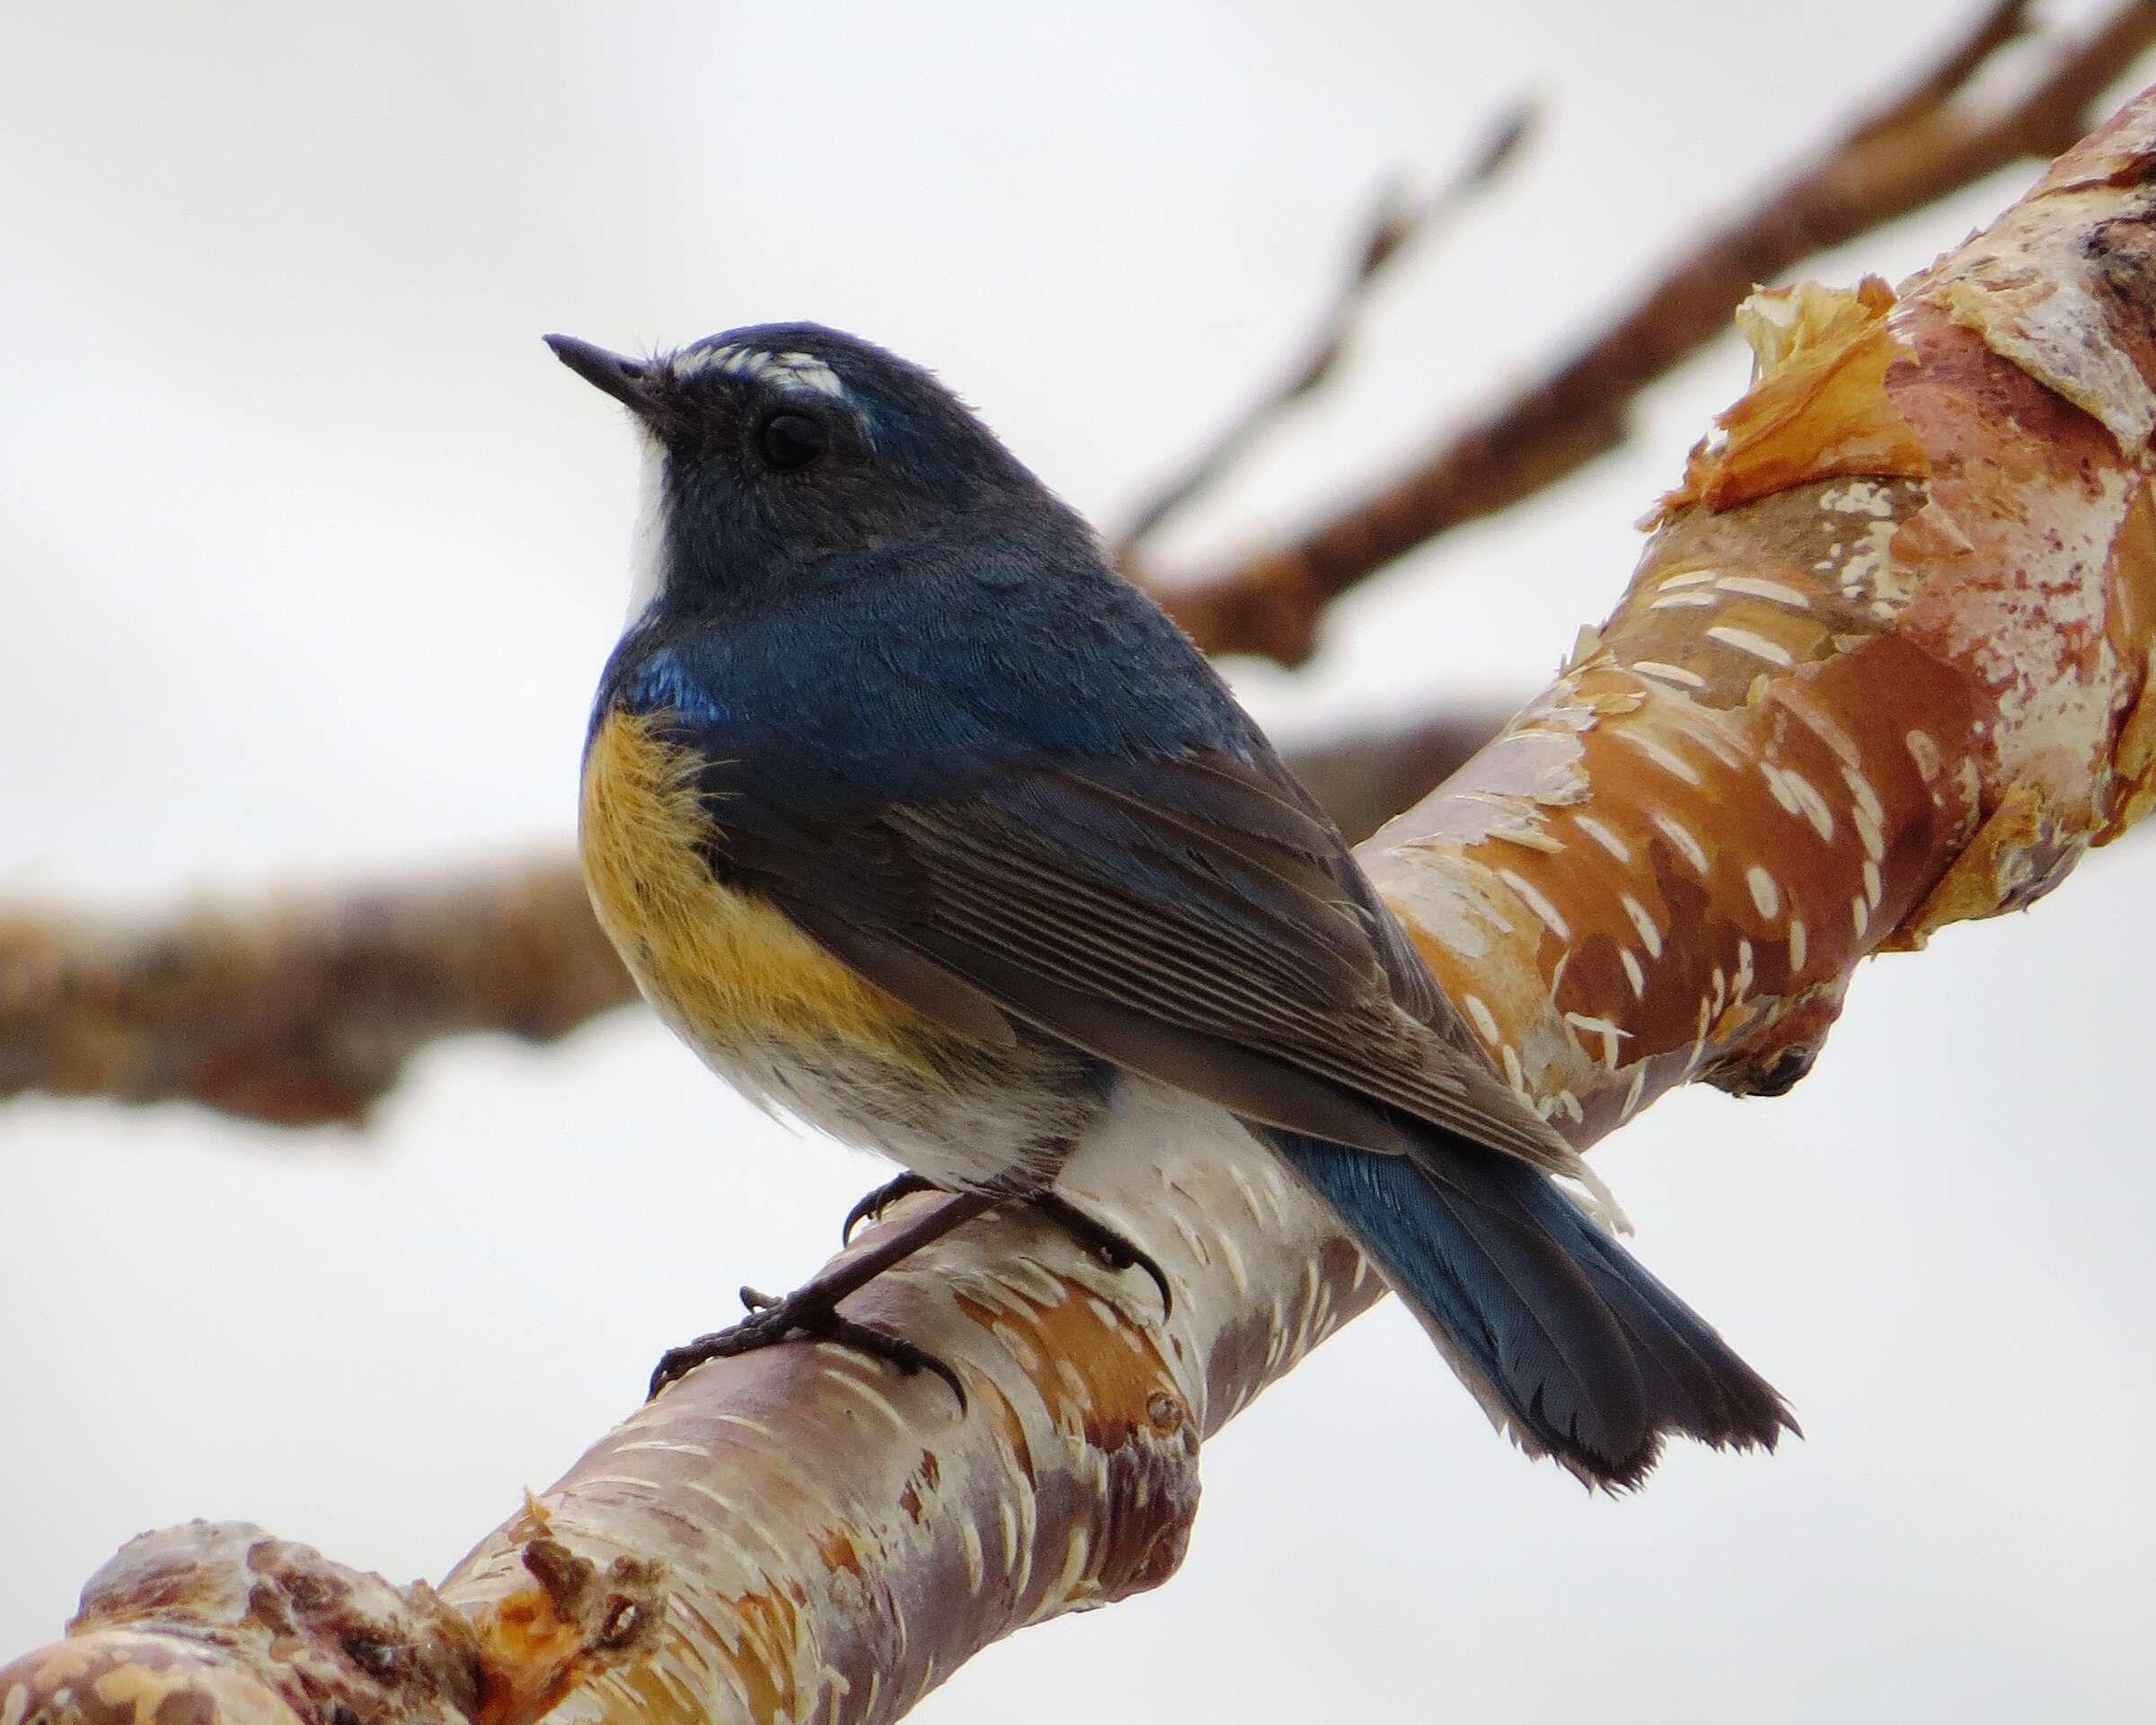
x=311, y=555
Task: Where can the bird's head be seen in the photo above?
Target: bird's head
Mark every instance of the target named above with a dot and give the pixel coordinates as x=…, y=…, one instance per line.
x=772, y=448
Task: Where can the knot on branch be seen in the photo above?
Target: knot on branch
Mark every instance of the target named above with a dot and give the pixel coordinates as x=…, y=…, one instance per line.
x=573, y=1620
x=219, y=1623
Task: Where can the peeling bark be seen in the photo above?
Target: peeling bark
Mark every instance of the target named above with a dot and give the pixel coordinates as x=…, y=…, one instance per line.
x=1883, y=665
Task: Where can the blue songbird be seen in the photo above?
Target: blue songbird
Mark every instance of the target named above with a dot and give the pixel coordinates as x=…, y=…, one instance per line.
x=920, y=823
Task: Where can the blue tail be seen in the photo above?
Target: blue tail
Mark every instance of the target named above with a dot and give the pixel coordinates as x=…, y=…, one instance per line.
x=1552, y=1323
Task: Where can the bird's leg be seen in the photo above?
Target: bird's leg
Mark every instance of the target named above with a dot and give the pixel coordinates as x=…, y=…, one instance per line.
x=874, y=1203
x=1116, y=1250
x=810, y=1310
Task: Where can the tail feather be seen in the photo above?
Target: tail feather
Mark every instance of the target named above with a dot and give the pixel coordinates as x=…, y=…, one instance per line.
x=1563, y=1335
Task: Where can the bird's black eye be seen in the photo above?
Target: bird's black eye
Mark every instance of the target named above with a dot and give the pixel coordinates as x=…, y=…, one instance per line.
x=790, y=441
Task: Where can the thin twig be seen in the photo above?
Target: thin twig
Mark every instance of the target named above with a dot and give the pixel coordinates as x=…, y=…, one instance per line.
x=2005, y=24
x=1395, y=223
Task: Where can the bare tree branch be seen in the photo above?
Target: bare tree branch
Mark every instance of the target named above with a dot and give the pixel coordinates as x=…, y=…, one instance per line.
x=1926, y=142
x=298, y=1011
x=1886, y=663
x=1393, y=226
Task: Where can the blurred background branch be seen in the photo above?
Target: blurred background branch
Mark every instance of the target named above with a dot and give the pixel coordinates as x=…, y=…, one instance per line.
x=1396, y=224
x=1935, y=135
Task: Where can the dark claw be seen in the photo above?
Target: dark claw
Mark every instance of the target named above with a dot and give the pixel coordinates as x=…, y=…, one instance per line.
x=908, y=1356
x=1117, y=1250
x=772, y=1321
x=874, y=1203
x=746, y=1337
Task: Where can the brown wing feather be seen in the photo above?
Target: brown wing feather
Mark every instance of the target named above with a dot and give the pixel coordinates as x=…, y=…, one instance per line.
x=1193, y=918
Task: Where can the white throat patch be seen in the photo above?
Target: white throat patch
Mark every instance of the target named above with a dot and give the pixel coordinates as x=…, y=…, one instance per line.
x=648, y=546
x=803, y=372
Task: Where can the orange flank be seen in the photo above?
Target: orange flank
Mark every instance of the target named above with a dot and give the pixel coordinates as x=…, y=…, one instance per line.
x=725, y=967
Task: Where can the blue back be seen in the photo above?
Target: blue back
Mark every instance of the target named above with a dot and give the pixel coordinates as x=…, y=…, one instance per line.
x=912, y=671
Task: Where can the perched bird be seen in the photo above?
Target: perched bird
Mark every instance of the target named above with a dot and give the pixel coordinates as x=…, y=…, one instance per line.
x=920, y=823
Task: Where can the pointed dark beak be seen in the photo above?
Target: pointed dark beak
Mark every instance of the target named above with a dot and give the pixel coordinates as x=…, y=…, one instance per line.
x=628, y=381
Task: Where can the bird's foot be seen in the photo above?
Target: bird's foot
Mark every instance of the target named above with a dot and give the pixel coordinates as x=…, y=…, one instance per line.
x=874, y=1203
x=808, y=1313
x=1116, y=1250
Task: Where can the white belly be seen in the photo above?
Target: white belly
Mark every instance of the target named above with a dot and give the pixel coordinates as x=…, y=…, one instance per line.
x=1005, y=1119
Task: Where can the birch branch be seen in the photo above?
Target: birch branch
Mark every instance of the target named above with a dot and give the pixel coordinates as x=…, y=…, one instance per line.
x=1929, y=140
x=1885, y=664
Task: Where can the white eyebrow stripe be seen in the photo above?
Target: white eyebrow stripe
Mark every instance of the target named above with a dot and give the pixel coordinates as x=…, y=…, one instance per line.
x=788, y=370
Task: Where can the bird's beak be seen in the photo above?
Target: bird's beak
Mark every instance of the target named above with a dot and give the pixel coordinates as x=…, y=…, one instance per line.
x=628, y=381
